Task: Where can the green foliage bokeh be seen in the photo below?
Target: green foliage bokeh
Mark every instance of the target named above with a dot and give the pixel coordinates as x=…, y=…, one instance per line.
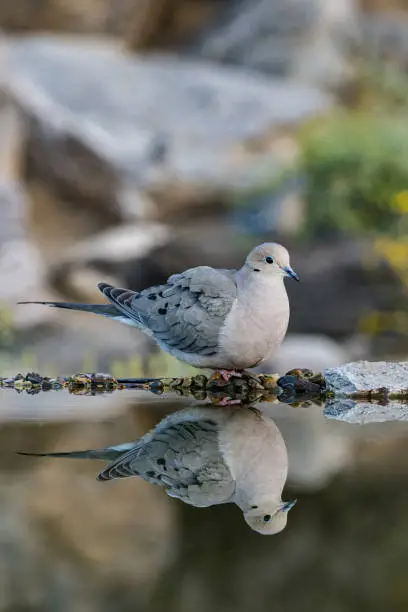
x=356, y=164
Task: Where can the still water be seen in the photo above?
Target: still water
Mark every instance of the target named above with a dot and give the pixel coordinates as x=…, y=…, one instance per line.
x=199, y=513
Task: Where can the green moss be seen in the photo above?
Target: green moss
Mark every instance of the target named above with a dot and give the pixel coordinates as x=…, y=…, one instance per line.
x=356, y=165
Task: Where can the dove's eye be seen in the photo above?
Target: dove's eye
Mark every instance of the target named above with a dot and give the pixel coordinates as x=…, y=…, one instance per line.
x=269, y=259
x=267, y=518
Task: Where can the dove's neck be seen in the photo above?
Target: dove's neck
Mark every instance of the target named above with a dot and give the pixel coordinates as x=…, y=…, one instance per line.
x=247, y=503
x=264, y=294
x=247, y=279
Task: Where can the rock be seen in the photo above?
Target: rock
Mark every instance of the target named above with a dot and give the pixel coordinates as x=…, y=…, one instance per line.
x=363, y=376
x=108, y=129
x=305, y=39
x=382, y=378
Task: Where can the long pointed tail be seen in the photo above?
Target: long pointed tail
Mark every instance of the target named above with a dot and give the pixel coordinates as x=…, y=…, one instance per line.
x=106, y=454
x=106, y=310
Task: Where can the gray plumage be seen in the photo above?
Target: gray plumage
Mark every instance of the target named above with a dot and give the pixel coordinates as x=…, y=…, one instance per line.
x=186, y=313
x=223, y=319
x=207, y=456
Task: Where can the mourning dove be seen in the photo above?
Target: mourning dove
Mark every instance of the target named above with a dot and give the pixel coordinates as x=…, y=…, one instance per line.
x=228, y=320
x=206, y=456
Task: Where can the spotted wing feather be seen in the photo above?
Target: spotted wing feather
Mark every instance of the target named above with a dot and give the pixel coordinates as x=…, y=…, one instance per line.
x=186, y=314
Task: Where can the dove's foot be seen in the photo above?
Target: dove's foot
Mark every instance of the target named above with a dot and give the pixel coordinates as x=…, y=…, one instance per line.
x=228, y=401
x=226, y=375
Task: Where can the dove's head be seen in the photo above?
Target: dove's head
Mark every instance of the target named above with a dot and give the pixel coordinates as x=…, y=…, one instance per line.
x=269, y=520
x=272, y=259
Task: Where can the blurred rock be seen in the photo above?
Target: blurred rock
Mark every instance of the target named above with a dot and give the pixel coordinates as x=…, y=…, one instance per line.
x=137, y=256
x=383, y=6
x=305, y=39
x=22, y=268
x=107, y=130
x=107, y=256
x=312, y=351
x=385, y=37
x=341, y=284
x=279, y=210
x=71, y=16
x=141, y=24
x=168, y=23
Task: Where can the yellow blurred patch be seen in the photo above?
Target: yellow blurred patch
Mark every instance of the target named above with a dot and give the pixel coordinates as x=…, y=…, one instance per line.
x=401, y=202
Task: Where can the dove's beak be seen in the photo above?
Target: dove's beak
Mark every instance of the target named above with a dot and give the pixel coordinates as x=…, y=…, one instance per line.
x=286, y=506
x=291, y=273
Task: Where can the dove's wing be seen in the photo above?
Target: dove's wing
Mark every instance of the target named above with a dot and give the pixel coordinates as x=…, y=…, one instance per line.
x=186, y=314
x=183, y=457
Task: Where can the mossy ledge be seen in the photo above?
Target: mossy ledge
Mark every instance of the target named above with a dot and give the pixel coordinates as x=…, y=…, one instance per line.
x=295, y=385
x=363, y=381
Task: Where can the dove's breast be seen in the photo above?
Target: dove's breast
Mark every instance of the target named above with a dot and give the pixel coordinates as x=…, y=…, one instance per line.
x=256, y=324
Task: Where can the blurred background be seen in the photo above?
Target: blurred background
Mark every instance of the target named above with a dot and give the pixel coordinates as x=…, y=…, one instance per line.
x=142, y=137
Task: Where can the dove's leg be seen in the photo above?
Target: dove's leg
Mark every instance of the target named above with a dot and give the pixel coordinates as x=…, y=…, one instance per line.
x=227, y=401
x=226, y=375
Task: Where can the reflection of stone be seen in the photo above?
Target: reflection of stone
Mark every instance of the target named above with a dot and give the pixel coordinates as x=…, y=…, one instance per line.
x=363, y=412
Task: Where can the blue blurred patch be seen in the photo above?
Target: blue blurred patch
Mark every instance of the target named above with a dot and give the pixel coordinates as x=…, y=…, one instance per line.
x=260, y=213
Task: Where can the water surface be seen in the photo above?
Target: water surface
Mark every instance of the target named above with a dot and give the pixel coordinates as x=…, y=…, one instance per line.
x=70, y=542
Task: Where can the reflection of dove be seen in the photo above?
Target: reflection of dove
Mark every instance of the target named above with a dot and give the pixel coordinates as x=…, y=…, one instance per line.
x=206, y=456
x=210, y=318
